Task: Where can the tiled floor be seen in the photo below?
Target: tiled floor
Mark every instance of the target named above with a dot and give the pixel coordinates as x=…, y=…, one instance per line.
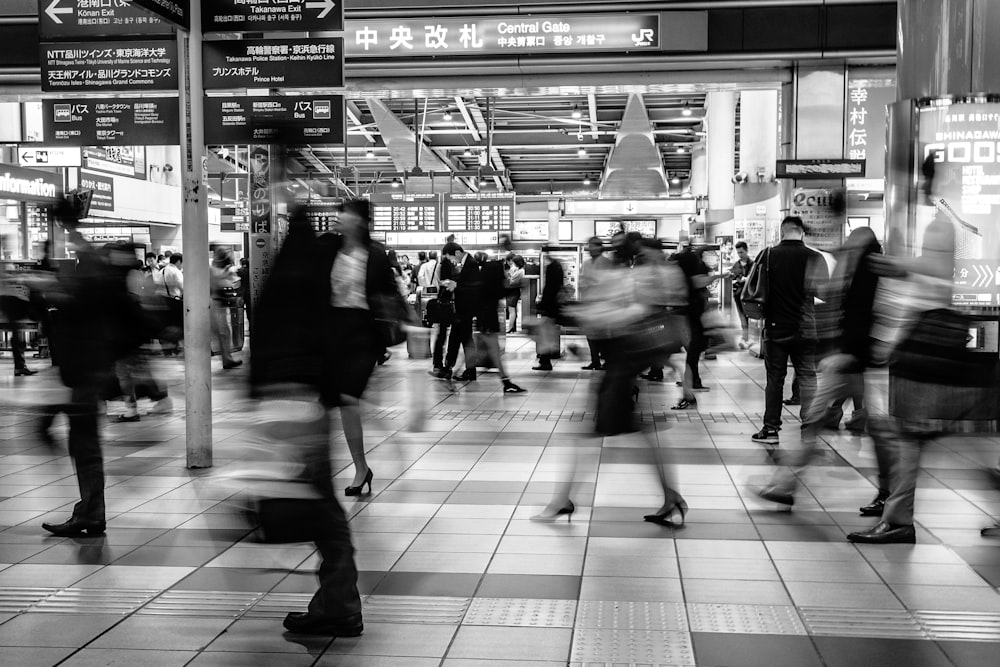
x=455, y=575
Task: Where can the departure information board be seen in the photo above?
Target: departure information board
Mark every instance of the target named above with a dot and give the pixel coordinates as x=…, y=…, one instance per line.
x=405, y=213
x=479, y=213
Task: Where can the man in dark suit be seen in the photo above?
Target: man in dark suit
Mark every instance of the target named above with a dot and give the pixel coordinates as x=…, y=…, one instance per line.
x=464, y=284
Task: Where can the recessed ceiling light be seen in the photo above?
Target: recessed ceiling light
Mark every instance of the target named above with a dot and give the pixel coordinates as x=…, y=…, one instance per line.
x=370, y=152
x=675, y=180
x=447, y=116
x=586, y=180
x=395, y=183
x=576, y=112
x=467, y=152
x=680, y=149
x=686, y=111
x=581, y=152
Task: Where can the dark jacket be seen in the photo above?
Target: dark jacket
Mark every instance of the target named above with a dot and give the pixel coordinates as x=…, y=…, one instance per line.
x=738, y=274
x=380, y=280
x=794, y=273
x=551, y=302
x=468, y=298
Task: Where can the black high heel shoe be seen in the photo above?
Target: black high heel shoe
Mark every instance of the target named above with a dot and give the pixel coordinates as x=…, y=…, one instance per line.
x=357, y=490
x=666, y=518
x=566, y=509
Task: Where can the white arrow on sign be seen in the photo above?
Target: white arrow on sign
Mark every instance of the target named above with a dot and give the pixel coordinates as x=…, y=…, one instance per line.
x=326, y=6
x=54, y=10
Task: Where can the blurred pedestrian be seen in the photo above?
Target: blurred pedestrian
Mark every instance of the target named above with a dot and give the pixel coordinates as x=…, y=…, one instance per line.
x=465, y=288
x=289, y=361
x=225, y=281
x=492, y=292
x=550, y=310
x=589, y=278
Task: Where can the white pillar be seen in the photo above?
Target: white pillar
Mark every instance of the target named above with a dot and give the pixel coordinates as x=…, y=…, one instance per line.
x=699, y=171
x=553, y=221
x=759, y=139
x=197, y=304
x=720, y=123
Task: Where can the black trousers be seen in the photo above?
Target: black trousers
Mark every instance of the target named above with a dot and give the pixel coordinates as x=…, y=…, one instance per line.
x=777, y=352
x=461, y=336
x=84, y=410
x=439, y=343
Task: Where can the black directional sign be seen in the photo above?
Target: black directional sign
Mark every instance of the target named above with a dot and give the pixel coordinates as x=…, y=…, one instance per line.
x=313, y=119
x=147, y=121
x=104, y=66
x=103, y=198
x=177, y=12
x=76, y=19
x=272, y=15
x=274, y=63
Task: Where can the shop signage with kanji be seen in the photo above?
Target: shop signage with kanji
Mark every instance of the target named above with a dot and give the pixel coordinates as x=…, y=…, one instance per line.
x=866, y=115
x=104, y=66
x=274, y=63
x=819, y=169
x=515, y=35
x=152, y=121
x=103, y=198
x=76, y=19
x=300, y=119
x=177, y=12
x=272, y=15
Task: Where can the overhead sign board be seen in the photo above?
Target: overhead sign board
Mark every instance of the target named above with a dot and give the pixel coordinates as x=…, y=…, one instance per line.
x=515, y=35
x=48, y=156
x=313, y=119
x=104, y=66
x=103, y=198
x=121, y=160
x=177, y=12
x=152, y=121
x=29, y=184
x=412, y=213
x=274, y=63
x=272, y=15
x=820, y=169
x=478, y=213
x=76, y=19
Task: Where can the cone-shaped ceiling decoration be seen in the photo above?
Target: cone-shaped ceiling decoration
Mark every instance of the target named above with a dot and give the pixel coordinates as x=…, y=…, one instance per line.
x=400, y=140
x=634, y=166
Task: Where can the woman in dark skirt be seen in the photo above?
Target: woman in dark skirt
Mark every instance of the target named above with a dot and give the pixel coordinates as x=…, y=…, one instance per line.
x=360, y=289
x=630, y=314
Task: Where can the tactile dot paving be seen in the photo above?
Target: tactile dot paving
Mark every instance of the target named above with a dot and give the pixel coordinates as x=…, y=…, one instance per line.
x=632, y=647
x=227, y=604
x=840, y=622
x=521, y=612
x=967, y=625
x=95, y=601
x=415, y=609
x=627, y=615
x=277, y=605
x=15, y=600
x=745, y=619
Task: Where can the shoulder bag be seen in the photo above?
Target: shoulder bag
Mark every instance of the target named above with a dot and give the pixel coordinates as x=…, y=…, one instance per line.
x=754, y=294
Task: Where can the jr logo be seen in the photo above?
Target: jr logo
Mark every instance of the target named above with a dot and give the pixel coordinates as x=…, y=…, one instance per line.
x=644, y=38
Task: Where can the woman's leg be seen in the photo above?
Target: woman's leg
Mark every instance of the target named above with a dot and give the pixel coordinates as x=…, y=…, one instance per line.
x=350, y=416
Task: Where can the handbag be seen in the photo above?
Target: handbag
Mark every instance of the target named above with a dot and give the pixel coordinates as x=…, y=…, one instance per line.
x=440, y=312
x=754, y=294
x=658, y=335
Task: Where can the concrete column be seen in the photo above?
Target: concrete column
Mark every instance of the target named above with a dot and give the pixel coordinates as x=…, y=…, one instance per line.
x=553, y=221
x=819, y=112
x=720, y=123
x=699, y=171
x=759, y=140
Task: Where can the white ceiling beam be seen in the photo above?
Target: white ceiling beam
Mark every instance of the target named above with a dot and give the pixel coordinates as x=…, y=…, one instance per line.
x=469, y=123
x=354, y=114
x=592, y=113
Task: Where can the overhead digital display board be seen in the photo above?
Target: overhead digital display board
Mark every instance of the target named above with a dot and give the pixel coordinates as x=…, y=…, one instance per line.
x=272, y=15
x=405, y=213
x=274, y=63
x=479, y=213
x=151, y=121
x=104, y=66
x=518, y=34
x=78, y=19
x=299, y=119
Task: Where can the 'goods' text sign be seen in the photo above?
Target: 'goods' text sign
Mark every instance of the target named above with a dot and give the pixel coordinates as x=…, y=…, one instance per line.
x=272, y=15
x=109, y=66
x=77, y=19
x=147, y=121
x=314, y=119
x=275, y=63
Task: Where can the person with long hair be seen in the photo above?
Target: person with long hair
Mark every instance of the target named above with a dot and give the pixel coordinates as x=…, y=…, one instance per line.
x=361, y=282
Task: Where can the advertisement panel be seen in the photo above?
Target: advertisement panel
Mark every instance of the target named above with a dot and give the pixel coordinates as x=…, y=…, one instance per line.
x=963, y=140
x=823, y=214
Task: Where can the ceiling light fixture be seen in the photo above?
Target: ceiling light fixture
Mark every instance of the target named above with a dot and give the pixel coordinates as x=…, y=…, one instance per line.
x=467, y=152
x=586, y=180
x=675, y=180
x=680, y=149
x=370, y=152
x=582, y=152
x=396, y=183
x=447, y=116
x=576, y=112
x=686, y=111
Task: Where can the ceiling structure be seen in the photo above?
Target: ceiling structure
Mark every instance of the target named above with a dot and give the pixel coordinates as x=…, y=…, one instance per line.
x=597, y=144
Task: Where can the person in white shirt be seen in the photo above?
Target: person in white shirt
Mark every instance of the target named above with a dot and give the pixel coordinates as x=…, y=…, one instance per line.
x=173, y=276
x=429, y=274
x=173, y=282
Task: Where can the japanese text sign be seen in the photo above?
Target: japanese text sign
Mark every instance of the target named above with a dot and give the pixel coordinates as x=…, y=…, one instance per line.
x=864, y=135
x=272, y=15
x=275, y=63
x=286, y=119
x=109, y=66
x=514, y=35
x=177, y=12
x=76, y=19
x=151, y=121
